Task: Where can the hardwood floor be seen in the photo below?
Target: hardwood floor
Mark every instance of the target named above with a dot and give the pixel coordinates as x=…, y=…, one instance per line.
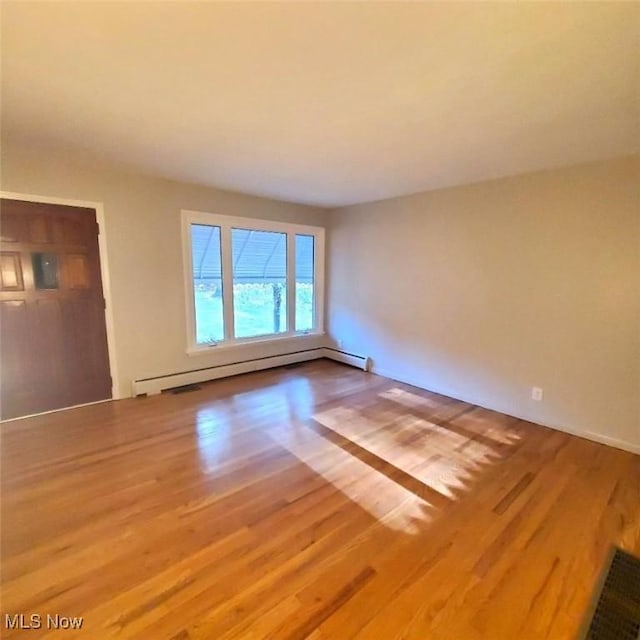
x=317, y=502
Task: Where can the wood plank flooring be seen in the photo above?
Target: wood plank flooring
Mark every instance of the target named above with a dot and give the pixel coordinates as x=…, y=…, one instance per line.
x=315, y=502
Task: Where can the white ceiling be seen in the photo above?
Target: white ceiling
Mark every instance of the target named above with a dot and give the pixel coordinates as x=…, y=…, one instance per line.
x=324, y=103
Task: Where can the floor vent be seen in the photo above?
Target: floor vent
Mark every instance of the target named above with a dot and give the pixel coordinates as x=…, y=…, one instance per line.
x=617, y=613
x=185, y=388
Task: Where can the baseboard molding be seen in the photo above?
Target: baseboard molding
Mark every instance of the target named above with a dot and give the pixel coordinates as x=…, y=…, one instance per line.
x=154, y=386
x=608, y=440
x=157, y=384
x=360, y=362
x=625, y=445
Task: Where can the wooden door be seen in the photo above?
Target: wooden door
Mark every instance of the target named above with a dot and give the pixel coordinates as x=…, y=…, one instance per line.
x=53, y=339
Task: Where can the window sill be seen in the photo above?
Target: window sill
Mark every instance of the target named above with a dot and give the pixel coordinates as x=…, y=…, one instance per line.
x=232, y=345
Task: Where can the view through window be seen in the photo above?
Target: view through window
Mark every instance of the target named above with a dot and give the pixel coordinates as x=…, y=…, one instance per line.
x=304, y=282
x=207, y=283
x=259, y=282
x=261, y=264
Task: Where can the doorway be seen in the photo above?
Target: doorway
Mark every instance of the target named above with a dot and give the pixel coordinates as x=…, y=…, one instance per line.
x=53, y=339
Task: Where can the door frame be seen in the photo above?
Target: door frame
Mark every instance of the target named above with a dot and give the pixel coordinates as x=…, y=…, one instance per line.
x=104, y=271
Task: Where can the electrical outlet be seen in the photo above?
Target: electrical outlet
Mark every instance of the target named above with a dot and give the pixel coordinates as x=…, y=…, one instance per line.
x=340, y=344
x=536, y=394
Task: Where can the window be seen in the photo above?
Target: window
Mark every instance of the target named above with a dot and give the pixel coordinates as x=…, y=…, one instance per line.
x=259, y=282
x=304, y=282
x=250, y=280
x=206, y=264
x=45, y=270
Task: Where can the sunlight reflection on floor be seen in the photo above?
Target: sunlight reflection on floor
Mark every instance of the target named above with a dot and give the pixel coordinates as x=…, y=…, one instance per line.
x=494, y=431
x=399, y=444
x=214, y=438
x=444, y=457
x=391, y=504
x=412, y=400
x=420, y=452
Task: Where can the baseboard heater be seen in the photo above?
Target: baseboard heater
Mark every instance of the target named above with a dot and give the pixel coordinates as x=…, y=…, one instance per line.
x=153, y=386
x=360, y=362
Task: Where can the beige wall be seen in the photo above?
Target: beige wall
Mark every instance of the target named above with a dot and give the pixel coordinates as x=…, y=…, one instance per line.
x=142, y=217
x=483, y=291
x=480, y=292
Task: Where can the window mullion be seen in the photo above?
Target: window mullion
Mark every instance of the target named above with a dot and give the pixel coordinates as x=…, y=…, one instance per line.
x=227, y=283
x=291, y=281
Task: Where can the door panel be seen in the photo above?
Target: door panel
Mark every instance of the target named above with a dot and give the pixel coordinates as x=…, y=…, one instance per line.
x=38, y=232
x=12, y=228
x=77, y=271
x=53, y=343
x=11, y=271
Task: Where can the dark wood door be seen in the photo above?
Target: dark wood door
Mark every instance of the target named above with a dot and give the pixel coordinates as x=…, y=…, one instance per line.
x=53, y=339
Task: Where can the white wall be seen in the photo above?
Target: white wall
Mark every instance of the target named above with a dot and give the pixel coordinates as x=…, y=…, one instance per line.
x=483, y=291
x=142, y=217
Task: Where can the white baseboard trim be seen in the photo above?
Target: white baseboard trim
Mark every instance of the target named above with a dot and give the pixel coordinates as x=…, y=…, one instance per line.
x=157, y=384
x=360, y=362
x=625, y=445
x=154, y=386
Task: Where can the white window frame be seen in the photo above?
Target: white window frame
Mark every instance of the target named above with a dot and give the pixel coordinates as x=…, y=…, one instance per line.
x=226, y=223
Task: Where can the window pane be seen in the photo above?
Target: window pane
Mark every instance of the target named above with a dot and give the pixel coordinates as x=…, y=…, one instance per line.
x=305, y=299
x=45, y=270
x=259, y=282
x=207, y=283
